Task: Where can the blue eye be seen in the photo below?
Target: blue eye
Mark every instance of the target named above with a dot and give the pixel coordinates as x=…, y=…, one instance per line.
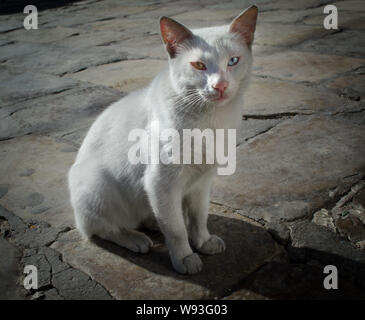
x=233, y=61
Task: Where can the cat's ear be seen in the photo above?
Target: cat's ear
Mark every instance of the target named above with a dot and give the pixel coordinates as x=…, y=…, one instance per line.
x=245, y=25
x=173, y=33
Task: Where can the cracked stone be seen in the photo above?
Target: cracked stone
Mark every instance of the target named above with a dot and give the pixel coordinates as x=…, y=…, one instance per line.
x=14, y=221
x=92, y=39
x=42, y=35
x=127, y=275
x=250, y=128
x=47, y=58
x=18, y=85
x=125, y=76
x=38, y=234
x=74, y=109
x=75, y=285
x=279, y=231
x=54, y=258
x=310, y=241
x=315, y=153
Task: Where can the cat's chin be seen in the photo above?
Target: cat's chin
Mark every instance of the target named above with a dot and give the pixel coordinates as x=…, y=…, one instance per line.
x=220, y=100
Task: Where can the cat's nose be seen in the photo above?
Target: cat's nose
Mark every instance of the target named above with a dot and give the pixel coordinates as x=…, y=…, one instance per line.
x=220, y=86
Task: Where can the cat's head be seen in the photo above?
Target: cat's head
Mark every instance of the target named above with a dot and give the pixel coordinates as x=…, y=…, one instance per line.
x=210, y=64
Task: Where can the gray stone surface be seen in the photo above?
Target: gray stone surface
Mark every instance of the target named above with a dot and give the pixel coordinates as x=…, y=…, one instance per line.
x=48, y=180
x=304, y=66
x=20, y=85
x=347, y=42
x=302, y=99
x=313, y=242
x=151, y=276
x=125, y=76
x=9, y=258
x=66, y=112
x=48, y=57
x=311, y=164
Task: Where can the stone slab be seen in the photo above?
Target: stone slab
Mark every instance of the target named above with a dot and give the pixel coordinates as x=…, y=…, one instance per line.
x=270, y=97
x=346, y=43
x=311, y=241
x=19, y=85
x=313, y=155
x=127, y=275
x=42, y=35
x=125, y=76
x=274, y=34
x=66, y=112
x=43, y=194
x=304, y=66
x=9, y=258
x=47, y=57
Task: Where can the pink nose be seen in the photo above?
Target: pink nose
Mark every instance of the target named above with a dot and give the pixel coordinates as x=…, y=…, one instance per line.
x=220, y=86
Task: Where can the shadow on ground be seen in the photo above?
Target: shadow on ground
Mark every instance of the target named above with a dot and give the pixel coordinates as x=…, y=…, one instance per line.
x=251, y=266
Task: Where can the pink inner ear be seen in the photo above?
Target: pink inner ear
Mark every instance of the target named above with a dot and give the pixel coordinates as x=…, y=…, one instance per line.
x=173, y=33
x=245, y=25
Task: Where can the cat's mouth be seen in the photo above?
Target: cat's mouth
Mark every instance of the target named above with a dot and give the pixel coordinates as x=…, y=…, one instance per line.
x=220, y=97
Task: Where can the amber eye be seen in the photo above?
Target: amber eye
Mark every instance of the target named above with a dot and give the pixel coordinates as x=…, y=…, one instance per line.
x=198, y=65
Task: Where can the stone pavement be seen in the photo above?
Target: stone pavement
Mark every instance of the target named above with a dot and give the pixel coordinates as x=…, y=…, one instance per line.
x=295, y=204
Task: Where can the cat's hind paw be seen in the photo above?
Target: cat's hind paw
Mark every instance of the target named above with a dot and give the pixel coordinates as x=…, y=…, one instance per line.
x=212, y=246
x=137, y=242
x=189, y=265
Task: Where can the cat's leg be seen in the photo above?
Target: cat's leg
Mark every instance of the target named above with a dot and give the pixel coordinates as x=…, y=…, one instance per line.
x=99, y=210
x=197, y=202
x=164, y=190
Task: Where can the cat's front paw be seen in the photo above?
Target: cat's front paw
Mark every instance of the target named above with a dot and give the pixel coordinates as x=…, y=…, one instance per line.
x=188, y=265
x=212, y=246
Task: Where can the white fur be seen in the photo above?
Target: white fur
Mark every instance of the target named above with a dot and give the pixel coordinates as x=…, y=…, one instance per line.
x=111, y=197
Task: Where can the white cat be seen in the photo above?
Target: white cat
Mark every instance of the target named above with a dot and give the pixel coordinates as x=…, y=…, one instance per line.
x=202, y=87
